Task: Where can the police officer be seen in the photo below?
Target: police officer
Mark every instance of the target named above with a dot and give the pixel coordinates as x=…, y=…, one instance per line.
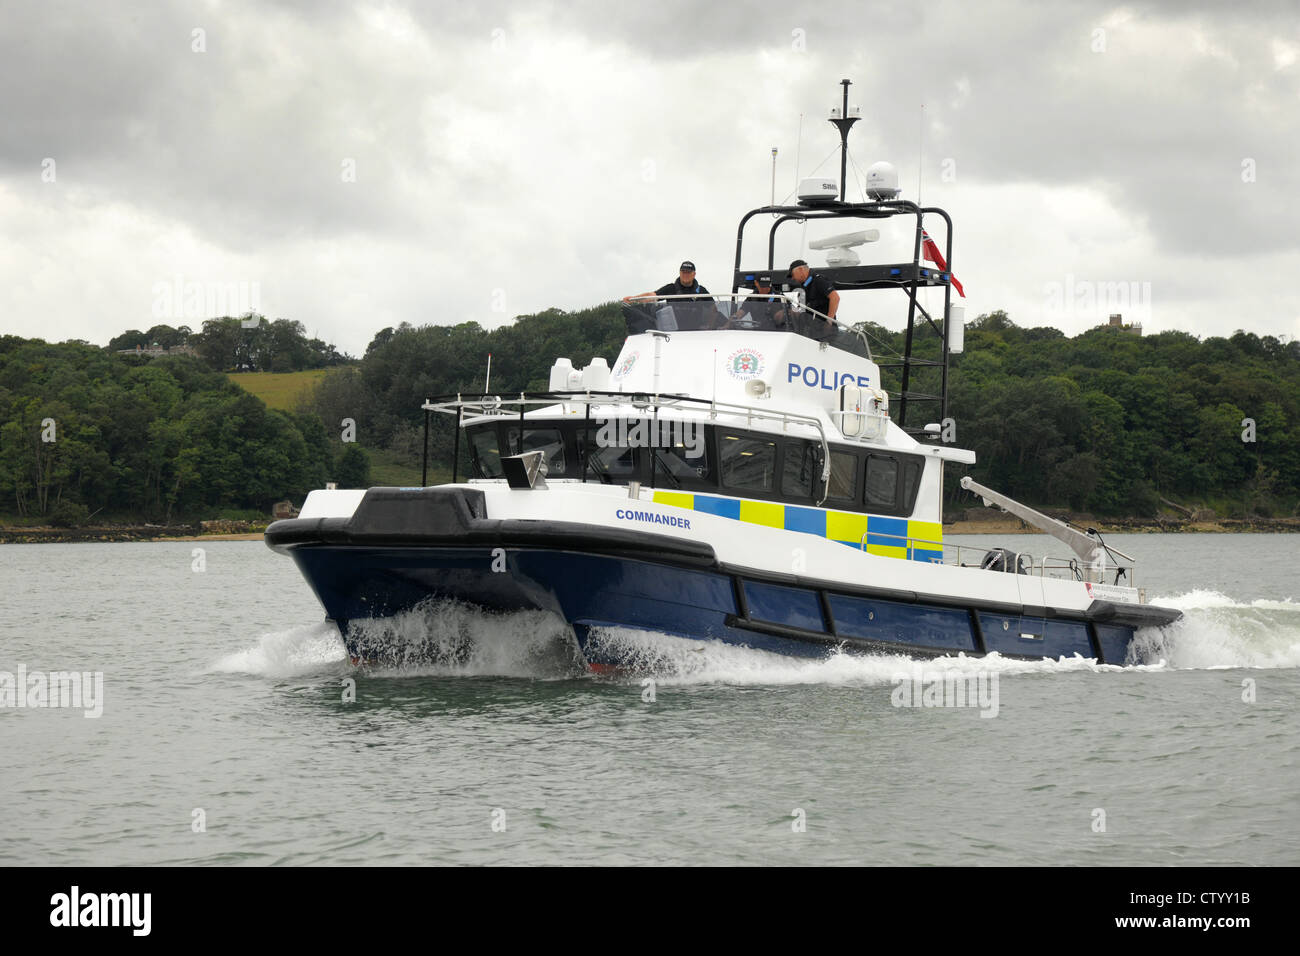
x=690, y=313
x=764, y=309
x=819, y=294
x=684, y=284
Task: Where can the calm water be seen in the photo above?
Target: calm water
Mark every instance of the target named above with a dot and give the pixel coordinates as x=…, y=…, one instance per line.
x=223, y=693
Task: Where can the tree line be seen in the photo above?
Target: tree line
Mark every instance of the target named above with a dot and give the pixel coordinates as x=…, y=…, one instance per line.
x=88, y=433
x=1119, y=424
x=250, y=343
x=1103, y=422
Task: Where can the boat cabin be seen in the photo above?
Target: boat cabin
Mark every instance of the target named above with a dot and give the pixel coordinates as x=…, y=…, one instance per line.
x=718, y=459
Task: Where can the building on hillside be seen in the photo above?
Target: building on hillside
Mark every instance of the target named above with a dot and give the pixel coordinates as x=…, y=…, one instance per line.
x=156, y=349
x=1117, y=322
x=283, y=509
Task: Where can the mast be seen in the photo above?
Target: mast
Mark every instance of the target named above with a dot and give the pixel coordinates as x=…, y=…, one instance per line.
x=843, y=122
x=924, y=381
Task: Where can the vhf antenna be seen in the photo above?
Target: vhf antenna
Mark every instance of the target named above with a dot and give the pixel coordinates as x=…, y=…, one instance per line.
x=773, y=202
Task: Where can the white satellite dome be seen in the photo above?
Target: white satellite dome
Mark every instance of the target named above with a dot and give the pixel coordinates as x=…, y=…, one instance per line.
x=882, y=181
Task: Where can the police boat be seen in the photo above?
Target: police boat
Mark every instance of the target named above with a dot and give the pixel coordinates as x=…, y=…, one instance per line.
x=740, y=474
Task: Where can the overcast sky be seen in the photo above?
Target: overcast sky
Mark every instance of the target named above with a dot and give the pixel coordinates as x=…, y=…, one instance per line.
x=363, y=164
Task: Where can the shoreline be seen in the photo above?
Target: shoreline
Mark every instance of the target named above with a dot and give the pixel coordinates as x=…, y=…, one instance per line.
x=115, y=535
x=185, y=534
x=1137, y=526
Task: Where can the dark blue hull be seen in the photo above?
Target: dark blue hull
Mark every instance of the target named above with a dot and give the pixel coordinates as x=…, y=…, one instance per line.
x=593, y=591
x=404, y=548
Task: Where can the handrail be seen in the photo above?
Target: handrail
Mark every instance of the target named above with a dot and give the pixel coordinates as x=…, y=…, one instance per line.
x=1078, y=572
x=907, y=539
x=798, y=307
x=490, y=406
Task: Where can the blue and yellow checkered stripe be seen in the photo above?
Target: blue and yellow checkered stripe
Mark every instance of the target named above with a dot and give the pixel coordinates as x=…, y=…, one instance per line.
x=885, y=536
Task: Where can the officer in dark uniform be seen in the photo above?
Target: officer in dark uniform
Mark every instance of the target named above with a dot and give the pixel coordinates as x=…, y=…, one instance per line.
x=691, y=313
x=684, y=284
x=762, y=310
x=819, y=294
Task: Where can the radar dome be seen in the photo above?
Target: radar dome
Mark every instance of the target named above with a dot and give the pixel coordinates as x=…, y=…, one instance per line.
x=882, y=181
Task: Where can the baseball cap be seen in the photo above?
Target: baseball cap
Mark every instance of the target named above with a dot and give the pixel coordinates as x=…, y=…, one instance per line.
x=687, y=265
x=763, y=280
x=796, y=264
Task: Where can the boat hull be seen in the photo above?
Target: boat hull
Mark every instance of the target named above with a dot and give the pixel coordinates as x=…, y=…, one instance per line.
x=388, y=559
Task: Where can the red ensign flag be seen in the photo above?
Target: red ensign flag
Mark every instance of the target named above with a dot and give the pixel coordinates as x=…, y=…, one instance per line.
x=933, y=254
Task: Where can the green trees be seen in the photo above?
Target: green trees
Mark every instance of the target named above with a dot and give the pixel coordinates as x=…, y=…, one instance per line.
x=1157, y=416
x=1105, y=422
x=163, y=336
x=85, y=432
x=254, y=344
x=352, y=470
x=405, y=365
x=248, y=343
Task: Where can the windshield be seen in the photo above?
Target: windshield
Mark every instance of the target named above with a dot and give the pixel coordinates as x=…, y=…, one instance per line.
x=752, y=312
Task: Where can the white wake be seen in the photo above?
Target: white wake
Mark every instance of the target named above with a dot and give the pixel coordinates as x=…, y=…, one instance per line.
x=445, y=638
x=436, y=637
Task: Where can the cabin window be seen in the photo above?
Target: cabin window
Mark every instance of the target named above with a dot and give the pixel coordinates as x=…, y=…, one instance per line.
x=609, y=462
x=548, y=440
x=748, y=464
x=911, y=479
x=882, y=482
x=799, y=470
x=844, y=476
x=681, y=464
x=487, y=453
x=892, y=483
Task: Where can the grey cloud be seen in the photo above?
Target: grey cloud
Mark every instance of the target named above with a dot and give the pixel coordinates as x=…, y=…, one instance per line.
x=244, y=140
x=243, y=144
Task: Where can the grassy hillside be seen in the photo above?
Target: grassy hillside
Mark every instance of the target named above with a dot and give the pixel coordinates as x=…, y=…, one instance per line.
x=284, y=390
x=278, y=390
x=388, y=468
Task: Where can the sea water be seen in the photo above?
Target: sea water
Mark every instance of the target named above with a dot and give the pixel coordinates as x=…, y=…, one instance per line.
x=233, y=730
